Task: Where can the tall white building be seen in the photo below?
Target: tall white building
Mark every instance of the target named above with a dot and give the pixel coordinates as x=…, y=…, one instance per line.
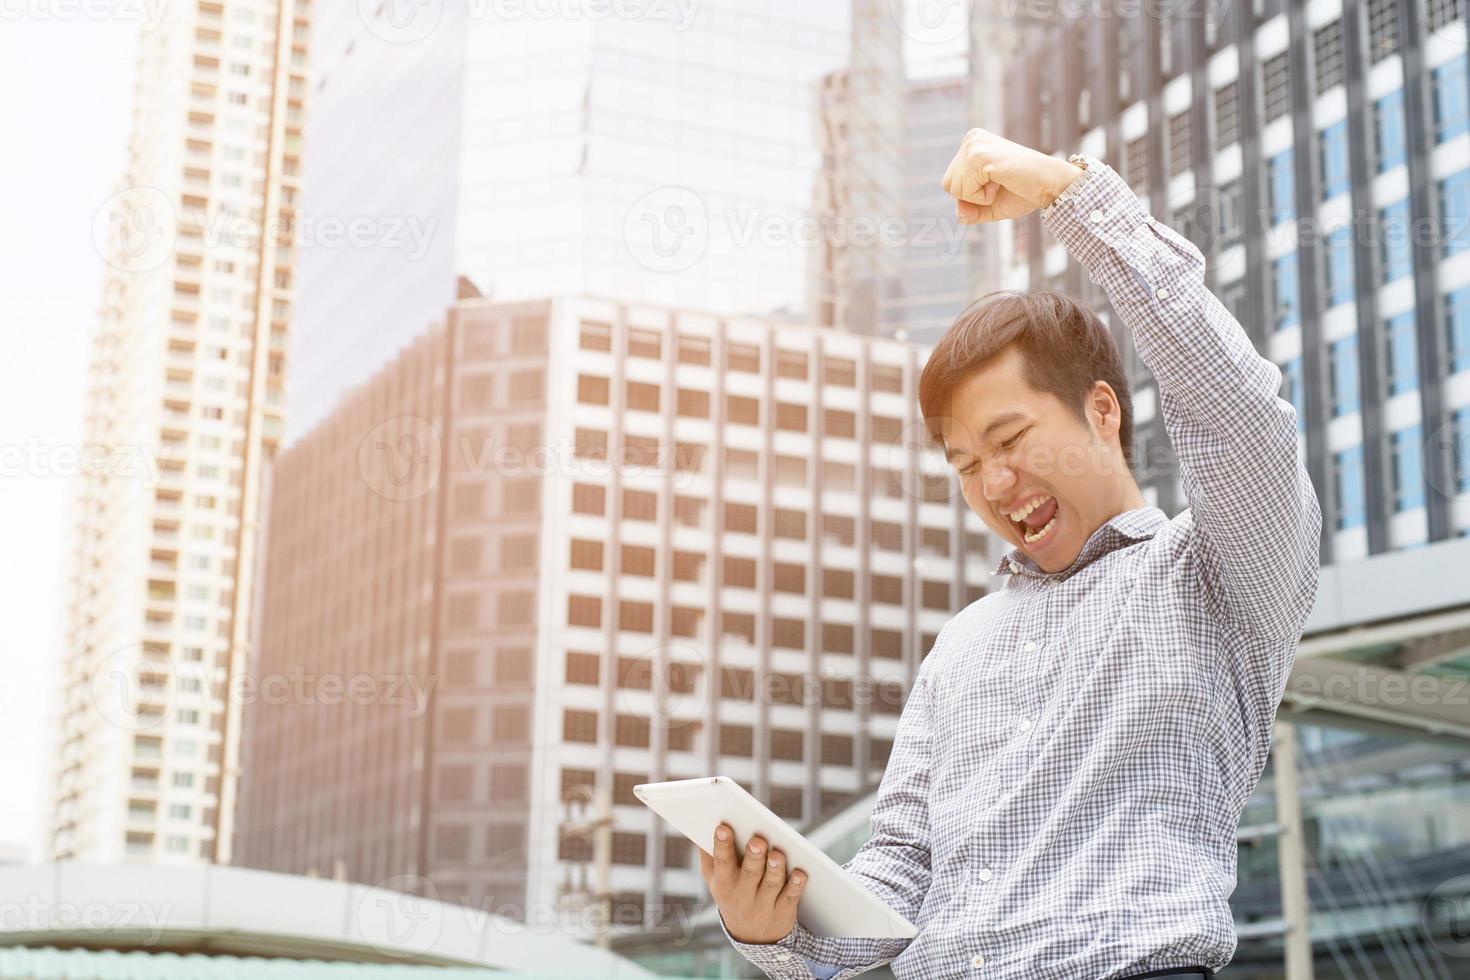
x=656, y=153
x=186, y=388
x=579, y=543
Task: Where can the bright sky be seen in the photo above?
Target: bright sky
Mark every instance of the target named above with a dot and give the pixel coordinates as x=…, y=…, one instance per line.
x=64, y=120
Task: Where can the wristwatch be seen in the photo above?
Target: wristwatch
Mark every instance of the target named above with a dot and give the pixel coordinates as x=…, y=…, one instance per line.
x=1079, y=159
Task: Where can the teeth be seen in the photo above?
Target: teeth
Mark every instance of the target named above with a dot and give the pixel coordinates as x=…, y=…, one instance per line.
x=1020, y=515
x=1032, y=537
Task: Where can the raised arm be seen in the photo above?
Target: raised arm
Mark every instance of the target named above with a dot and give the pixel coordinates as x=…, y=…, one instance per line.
x=1256, y=518
x=893, y=863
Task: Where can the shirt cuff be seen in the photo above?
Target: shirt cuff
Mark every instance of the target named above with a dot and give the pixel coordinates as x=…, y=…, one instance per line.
x=781, y=958
x=1095, y=214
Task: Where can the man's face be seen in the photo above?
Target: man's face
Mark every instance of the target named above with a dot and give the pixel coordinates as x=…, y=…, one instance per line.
x=1039, y=476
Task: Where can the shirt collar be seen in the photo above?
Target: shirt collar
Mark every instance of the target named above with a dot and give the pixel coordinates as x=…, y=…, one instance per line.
x=1131, y=526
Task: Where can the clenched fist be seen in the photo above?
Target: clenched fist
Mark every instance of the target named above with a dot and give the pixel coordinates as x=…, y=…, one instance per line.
x=992, y=179
x=756, y=898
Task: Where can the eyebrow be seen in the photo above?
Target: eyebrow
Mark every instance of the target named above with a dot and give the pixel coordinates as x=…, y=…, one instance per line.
x=1001, y=420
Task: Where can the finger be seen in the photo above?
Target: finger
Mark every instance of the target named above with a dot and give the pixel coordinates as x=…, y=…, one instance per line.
x=967, y=212
x=753, y=866
x=792, y=892
x=726, y=865
x=988, y=193
x=775, y=876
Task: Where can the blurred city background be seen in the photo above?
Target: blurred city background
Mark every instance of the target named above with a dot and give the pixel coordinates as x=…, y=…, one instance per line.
x=427, y=419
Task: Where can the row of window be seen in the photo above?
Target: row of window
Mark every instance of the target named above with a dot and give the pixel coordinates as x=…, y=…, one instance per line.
x=686, y=621
x=740, y=683
x=737, y=741
x=1395, y=237
x=642, y=505
x=742, y=357
x=787, y=577
x=1406, y=470
x=1400, y=354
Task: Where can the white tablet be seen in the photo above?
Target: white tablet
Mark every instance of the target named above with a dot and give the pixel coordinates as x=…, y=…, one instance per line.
x=834, y=904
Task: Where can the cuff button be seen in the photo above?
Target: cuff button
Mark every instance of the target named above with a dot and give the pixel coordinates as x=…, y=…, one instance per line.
x=1097, y=216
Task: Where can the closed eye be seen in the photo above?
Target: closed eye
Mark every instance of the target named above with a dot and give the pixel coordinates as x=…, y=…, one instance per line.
x=1015, y=438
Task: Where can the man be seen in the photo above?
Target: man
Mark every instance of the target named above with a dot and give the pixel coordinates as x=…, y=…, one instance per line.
x=1072, y=760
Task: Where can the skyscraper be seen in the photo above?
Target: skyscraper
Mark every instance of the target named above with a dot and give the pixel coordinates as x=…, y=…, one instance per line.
x=662, y=153
x=611, y=543
x=185, y=395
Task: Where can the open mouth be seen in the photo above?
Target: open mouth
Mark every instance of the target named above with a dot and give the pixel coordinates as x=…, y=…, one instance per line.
x=1037, y=526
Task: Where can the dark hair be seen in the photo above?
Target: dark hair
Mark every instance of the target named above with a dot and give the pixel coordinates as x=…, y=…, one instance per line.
x=1065, y=349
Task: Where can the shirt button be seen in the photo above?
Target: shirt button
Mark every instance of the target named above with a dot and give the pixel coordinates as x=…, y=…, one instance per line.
x=977, y=960
x=986, y=874
x=1030, y=646
x=1161, y=293
x=1097, y=216
x=783, y=957
x=1024, y=724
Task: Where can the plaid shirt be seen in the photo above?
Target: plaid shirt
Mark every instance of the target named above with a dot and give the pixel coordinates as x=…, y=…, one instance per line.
x=1073, y=758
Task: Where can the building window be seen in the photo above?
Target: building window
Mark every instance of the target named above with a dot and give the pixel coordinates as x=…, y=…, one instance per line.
x=1457, y=326
x=642, y=397
x=1344, y=369
x=459, y=725
x=788, y=633
x=517, y=552
x=1388, y=130
x=1340, y=266
x=790, y=417
x=584, y=610
x=513, y=665
x=1454, y=211
x=1394, y=256
x=527, y=335
x=582, y=668
x=1408, y=476
x=745, y=358
x=1460, y=451
x=789, y=577
x=1227, y=115
x=1136, y=162
x=579, y=726
x=1401, y=360
x=510, y=723
x=1179, y=133
x=694, y=350
x=1282, y=187
x=836, y=749
x=840, y=372
x=596, y=336
x=838, y=424
x=637, y=560
x=591, y=444
x=791, y=364
x=789, y=524
x=645, y=343
x=1228, y=223
x=740, y=410
x=1287, y=294
x=740, y=518
x=523, y=496
x=1383, y=29
x=692, y=403
x=640, y=505
x=589, y=498
x=587, y=555
x=837, y=638
x=736, y=740
x=838, y=529
x=888, y=378
x=1442, y=12
x=786, y=744
x=525, y=387
x=1276, y=87
x=452, y=842
x=629, y=847
x=1292, y=390
x=1451, y=110
x=1334, y=171
x=505, y=843
x=515, y=609
x=1327, y=45
x=635, y=617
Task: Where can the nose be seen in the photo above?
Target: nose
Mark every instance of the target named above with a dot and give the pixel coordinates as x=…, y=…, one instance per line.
x=998, y=480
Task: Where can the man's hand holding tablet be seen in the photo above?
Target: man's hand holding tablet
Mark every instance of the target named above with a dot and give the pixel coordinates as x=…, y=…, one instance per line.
x=756, y=897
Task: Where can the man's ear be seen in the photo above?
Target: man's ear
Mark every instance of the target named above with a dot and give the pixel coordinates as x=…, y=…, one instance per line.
x=1104, y=411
